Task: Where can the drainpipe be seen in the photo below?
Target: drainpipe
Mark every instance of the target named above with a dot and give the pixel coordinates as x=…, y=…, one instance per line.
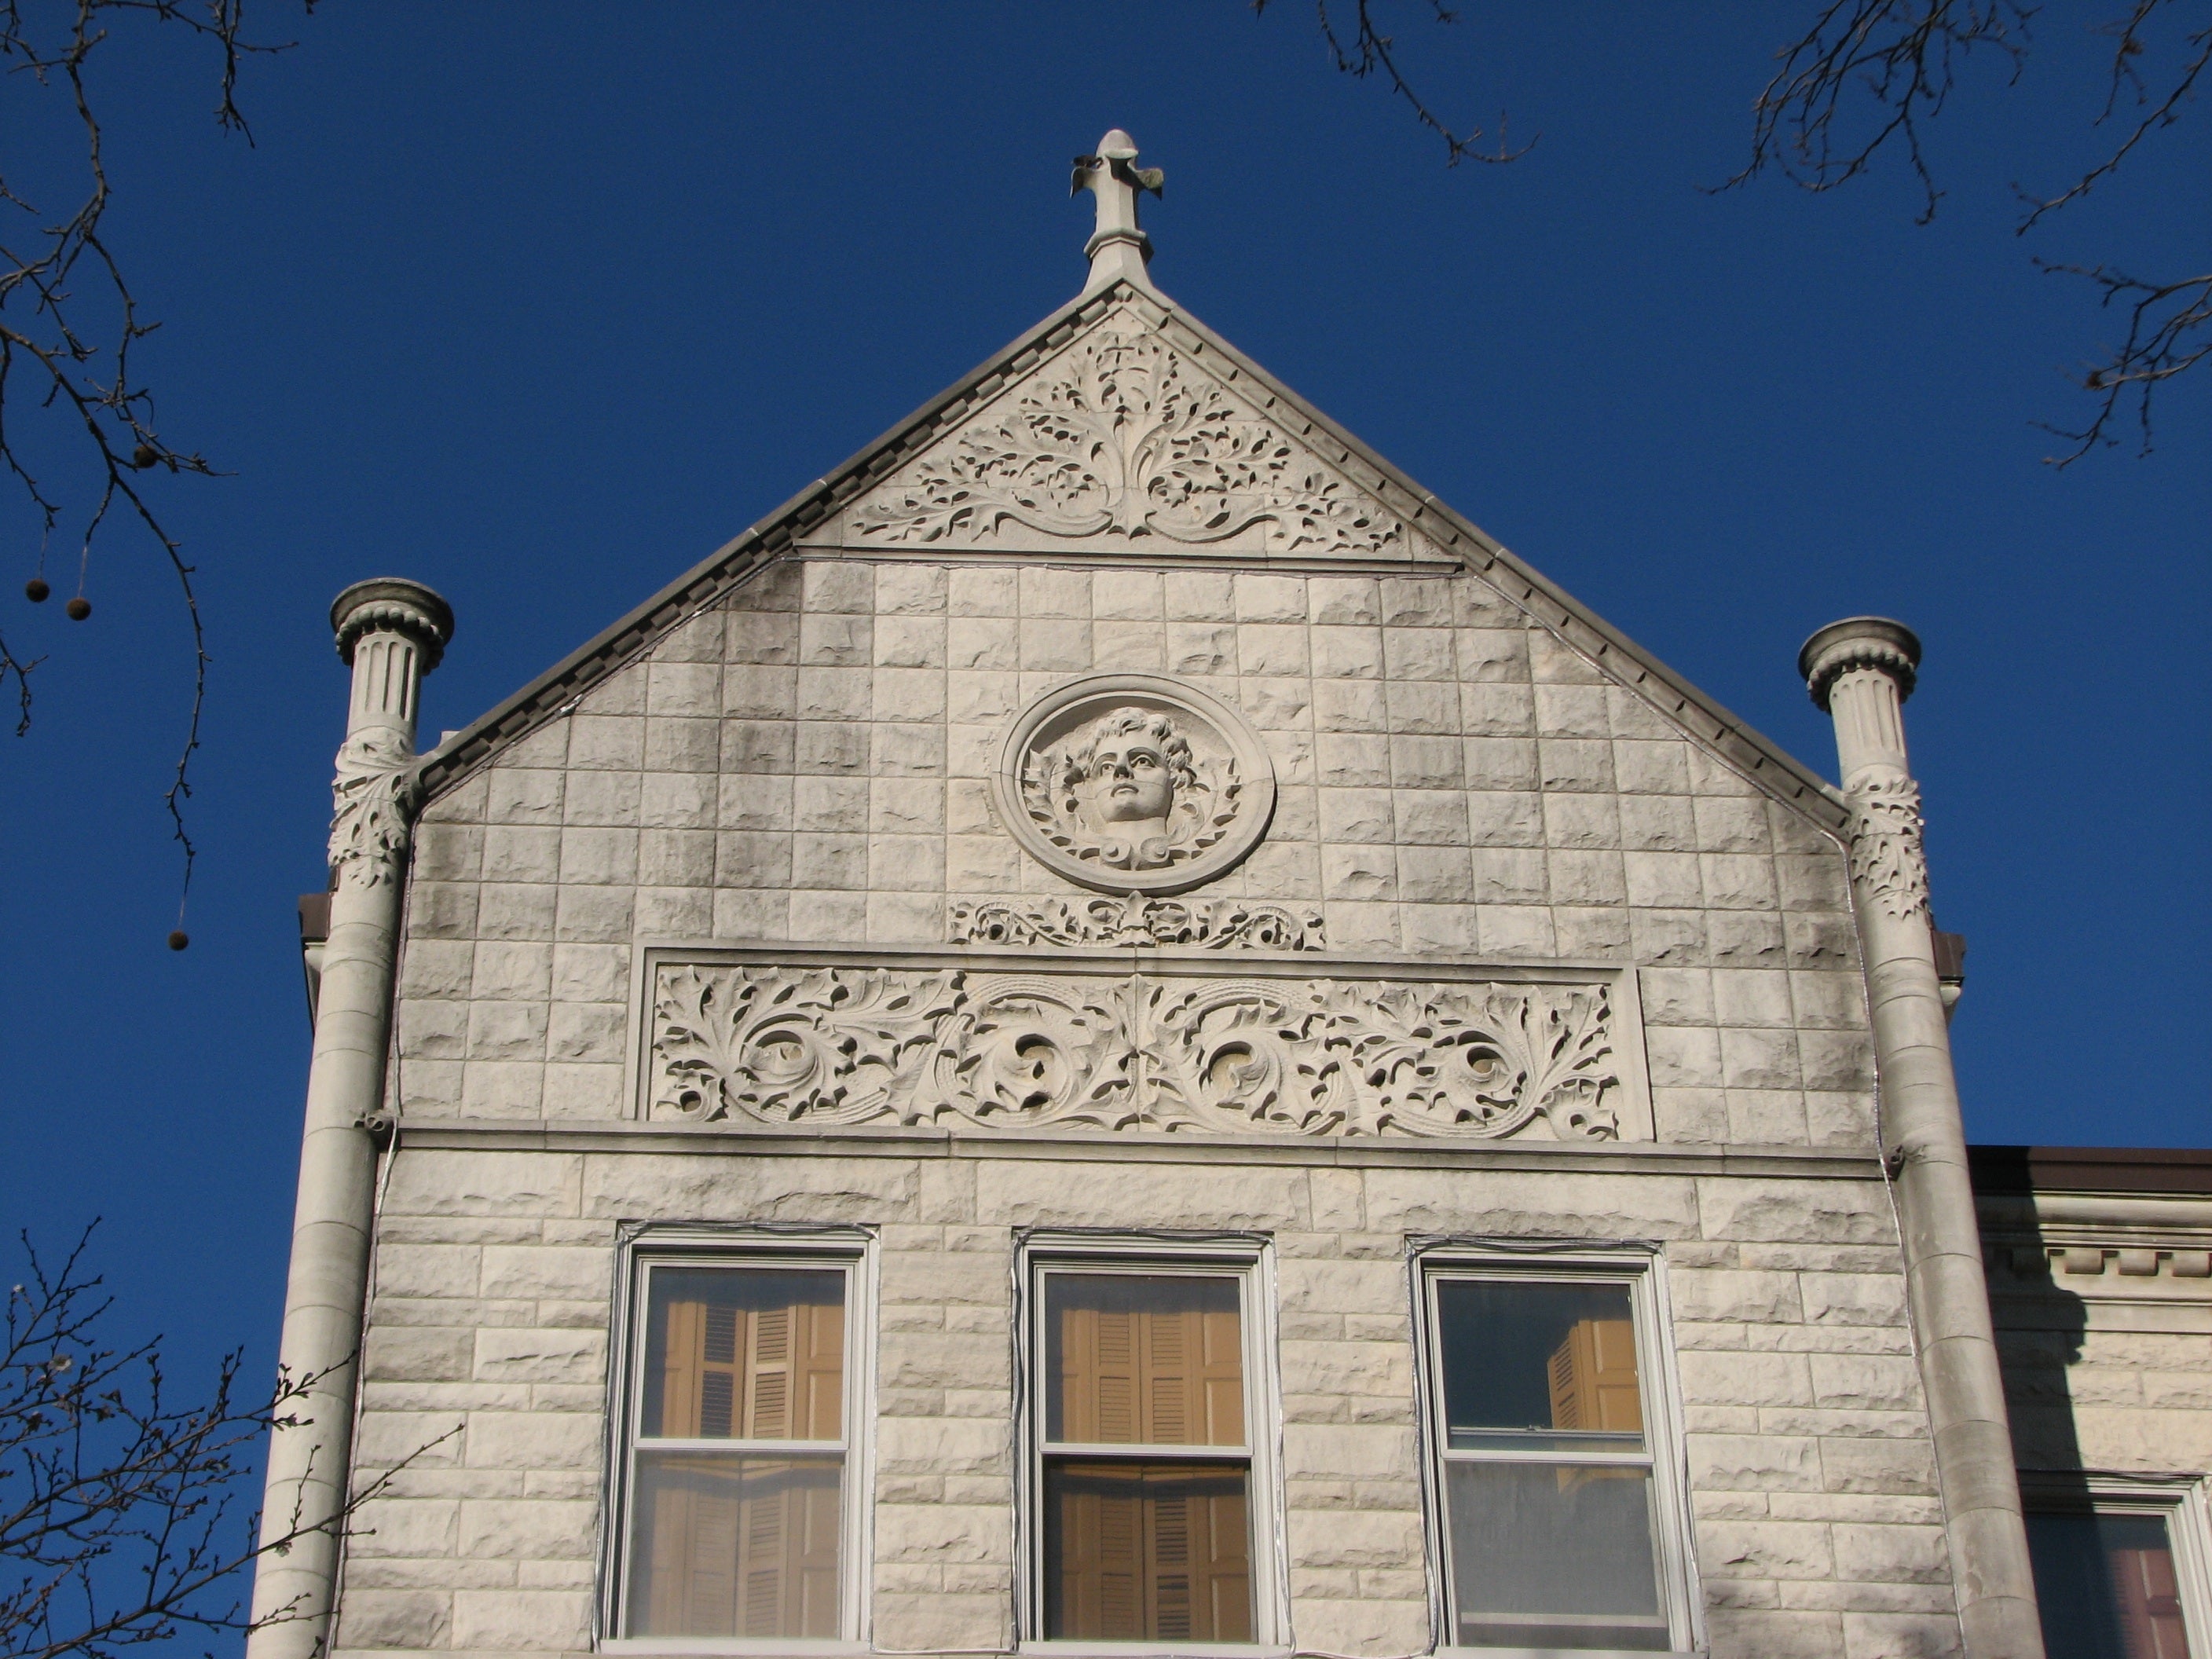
x=1861, y=671
x=390, y=632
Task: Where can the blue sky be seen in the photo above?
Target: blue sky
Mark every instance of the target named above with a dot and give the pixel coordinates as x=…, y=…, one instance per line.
x=540, y=306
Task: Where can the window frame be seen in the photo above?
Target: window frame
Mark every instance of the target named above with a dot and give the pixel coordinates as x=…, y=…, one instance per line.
x=1247, y=1258
x=2181, y=1501
x=1642, y=1272
x=851, y=1250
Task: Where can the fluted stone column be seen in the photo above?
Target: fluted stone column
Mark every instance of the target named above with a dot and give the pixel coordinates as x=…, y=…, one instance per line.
x=1861, y=671
x=392, y=632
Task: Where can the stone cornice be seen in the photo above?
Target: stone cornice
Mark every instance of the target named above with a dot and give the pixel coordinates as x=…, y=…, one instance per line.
x=1758, y=758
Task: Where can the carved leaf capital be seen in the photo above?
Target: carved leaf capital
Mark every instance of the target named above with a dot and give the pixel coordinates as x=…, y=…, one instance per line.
x=1889, y=861
x=374, y=799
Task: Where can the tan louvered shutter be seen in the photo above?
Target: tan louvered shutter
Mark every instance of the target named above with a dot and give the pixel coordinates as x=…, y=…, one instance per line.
x=1102, y=1558
x=763, y=1565
x=1593, y=1379
x=1170, y=1379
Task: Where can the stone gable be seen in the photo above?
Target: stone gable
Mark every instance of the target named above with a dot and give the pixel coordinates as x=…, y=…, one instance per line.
x=810, y=761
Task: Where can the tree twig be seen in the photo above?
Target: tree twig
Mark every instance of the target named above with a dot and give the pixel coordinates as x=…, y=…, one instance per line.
x=117, y=1507
x=75, y=344
x=1369, y=50
x=1905, y=53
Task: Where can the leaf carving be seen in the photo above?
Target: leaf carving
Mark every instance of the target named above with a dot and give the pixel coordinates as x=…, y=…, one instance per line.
x=1163, y=1055
x=1124, y=434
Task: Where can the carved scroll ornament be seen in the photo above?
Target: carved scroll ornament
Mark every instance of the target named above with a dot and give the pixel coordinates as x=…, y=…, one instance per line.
x=1215, y=924
x=1887, y=857
x=1125, y=433
x=373, y=800
x=763, y=1043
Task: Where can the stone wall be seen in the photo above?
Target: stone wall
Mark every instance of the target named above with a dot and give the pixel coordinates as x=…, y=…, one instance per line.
x=809, y=762
x=1817, y=1531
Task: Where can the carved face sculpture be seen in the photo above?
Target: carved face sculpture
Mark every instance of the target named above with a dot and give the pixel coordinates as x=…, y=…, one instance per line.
x=1120, y=778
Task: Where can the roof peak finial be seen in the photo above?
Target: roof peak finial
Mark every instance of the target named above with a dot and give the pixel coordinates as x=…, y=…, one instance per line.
x=1117, y=249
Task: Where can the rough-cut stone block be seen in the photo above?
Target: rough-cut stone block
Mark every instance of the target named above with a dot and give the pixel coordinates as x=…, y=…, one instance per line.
x=525, y=1620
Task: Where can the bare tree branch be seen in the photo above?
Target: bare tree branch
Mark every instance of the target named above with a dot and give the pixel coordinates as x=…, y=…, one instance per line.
x=1905, y=54
x=68, y=321
x=1369, y=50
x=118, y=1524
x=2128, y=34
x=2164, y=338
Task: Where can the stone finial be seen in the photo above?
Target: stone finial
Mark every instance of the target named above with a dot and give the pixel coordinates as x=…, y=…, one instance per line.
x=394, y=604
x=1117, y=249
x=1859, y=643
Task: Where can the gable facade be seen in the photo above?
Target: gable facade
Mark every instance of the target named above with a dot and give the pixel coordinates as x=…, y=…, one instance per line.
x=1275, y=1083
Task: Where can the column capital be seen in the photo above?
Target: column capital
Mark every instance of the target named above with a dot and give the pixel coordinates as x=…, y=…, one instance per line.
x=394, y=604
x=1859, y=643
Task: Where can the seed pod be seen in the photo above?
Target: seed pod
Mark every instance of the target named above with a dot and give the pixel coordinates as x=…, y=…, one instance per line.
x=78, y=608
x=36, y=590
x=144, y=456
x=179, y=939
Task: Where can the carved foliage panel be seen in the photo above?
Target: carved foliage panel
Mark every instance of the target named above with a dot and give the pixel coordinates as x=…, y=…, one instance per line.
x=1160, y=1047
x=1125, y=438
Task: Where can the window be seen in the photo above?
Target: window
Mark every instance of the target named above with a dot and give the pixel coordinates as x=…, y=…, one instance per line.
x=1553, y=1480
x=1146, y=1478
x=2119, y=1569
x=738, y=1497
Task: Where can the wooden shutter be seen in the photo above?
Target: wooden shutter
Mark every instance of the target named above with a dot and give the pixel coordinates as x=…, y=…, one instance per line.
x=1593, y=1378
x=743, y=1545
x=2149, y=1593
x=1166, y=1377
x=1152, y=1553
x=753, y=1374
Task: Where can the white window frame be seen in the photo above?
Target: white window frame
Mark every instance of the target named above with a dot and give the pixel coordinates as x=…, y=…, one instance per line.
x=1643, y=1273
x=1248, y=1259
x=2181, y=1501
x=851, y=1249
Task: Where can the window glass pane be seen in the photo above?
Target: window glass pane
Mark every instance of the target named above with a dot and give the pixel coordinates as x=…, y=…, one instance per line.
x=744, y=1354
x=723, y=1545
x=1552, y=1555
x=1143, y=1359
x=1146, y=1551
x=1534, y=1367
x=2107, y=1587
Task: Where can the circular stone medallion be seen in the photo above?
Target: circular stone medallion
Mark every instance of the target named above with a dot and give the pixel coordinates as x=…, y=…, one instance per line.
x=1130, y=783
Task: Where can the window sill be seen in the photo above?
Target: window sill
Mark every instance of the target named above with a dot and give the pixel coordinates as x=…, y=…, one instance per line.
x=1571, y=1653
x=1081, y=1650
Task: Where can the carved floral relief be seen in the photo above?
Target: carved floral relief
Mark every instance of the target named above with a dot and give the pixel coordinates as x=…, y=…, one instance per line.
x=373, y=800
x=1124, y=434
x=1215, y=925
x=1887, y=857
x=764, y=1044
